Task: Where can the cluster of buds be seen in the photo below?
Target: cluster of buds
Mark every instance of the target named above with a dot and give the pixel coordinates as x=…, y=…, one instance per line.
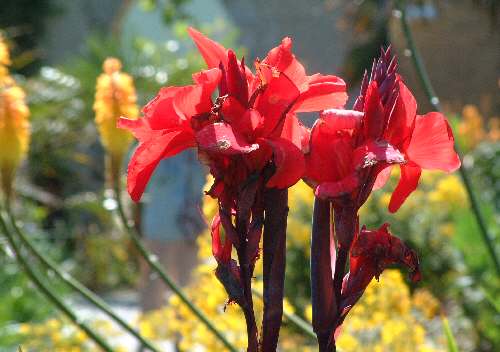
x=115, y=96
x=14, y=123
x=255, y=147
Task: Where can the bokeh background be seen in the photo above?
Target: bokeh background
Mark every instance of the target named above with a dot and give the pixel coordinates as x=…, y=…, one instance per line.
x=57, y=49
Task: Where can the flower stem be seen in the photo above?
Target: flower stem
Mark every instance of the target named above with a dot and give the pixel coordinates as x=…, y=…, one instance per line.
x=274, y=260
x=75, y=284
x=48, y=292
x=324, y=301
x=434, y=100
x=152, y=261
x=297, y=321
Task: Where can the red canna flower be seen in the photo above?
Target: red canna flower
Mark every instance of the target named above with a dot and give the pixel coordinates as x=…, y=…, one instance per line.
x=251, y=140
x=353, y=151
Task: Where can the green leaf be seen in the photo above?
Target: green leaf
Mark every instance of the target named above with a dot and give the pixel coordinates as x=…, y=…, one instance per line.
x=452, y=344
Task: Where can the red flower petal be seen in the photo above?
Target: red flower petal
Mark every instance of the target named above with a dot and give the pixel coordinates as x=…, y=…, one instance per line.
x=213, y=53
x=374, y=113
x=296, y=132
x=209, y=78
x=236, y=81
x=221, y=138
x=324, y=92
x=282, y=59
x=410, y=175
x=382, y=177
x=432, y=143
x=193, y=100
x=330, y=190
x=147, y=156
x=402, y=117
x=276, y=100
x=339, y=119
x=330, y=157
x=374, y=152
x=221, y=251
x=289, y=162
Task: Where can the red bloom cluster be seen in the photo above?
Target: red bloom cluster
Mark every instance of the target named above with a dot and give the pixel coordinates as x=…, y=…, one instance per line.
x=255, y=147
x=382, y=130
x=251, y=123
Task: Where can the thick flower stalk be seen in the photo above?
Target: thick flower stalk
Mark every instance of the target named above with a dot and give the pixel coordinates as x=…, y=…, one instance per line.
x=114, y=97
x=252, y=142
x=352, y=152
x=14, y=124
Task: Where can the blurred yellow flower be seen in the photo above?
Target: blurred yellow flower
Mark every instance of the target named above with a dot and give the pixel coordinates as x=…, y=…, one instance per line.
x=14, y=129
x=471, y=127
x=114, y=97
x=449, y=191
x=384, y=319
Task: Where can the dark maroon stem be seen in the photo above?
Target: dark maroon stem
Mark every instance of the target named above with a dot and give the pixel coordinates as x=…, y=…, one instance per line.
x=325, y=343
x=246, y=269
x=324, y=303
x=274, y=249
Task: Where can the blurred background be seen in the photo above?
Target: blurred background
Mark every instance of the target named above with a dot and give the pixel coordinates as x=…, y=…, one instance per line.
x=57, y=49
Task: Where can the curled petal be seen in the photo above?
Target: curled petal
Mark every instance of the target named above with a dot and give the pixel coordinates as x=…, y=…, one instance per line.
x=220, y=138
x=213, y=53
x=193, y=100
x=339, y=119
x=374, y=152
x=289, y=162
x=330, y=190
x=410, y=175
x=149, y=153
x=432, y=143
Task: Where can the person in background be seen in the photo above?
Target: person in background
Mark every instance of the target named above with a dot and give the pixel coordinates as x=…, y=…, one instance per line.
x=170, y=221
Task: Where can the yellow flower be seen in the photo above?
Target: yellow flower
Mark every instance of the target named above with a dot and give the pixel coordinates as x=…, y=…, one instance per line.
x=14, y=130
x=471, y=127
x=4, y=58
x=115, y=96
x=449, y=191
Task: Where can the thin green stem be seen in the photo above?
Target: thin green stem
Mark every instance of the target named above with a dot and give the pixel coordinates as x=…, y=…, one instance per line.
x=434, y=100
x=75, y=284
x=153, y=263
x=48, y=292
x=297, y=321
